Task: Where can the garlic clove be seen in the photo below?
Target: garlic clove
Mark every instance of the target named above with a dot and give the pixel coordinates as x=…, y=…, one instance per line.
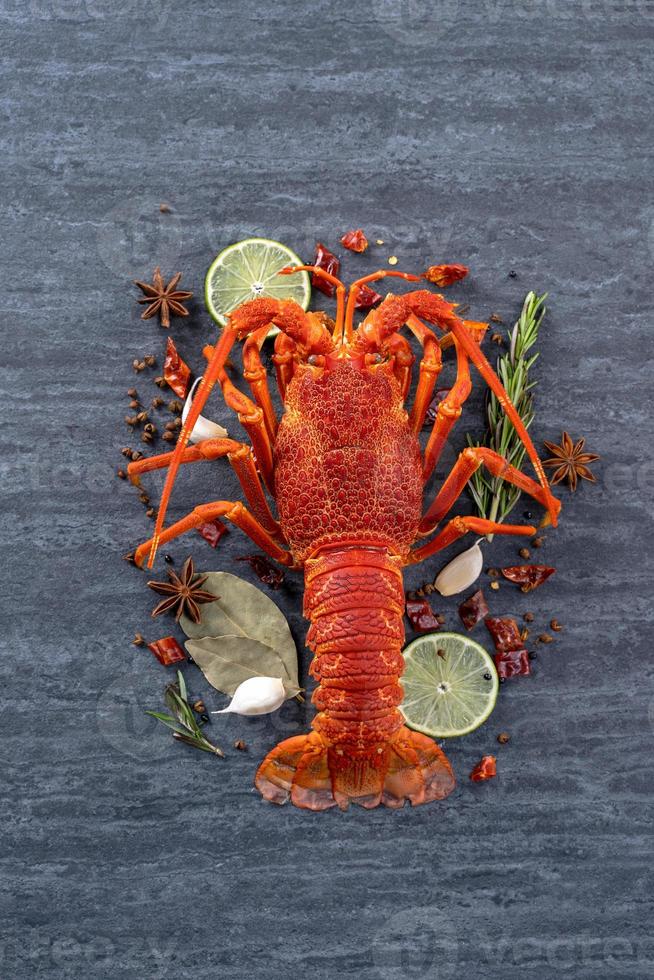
x=204, y=428
x=461, y=572
x=256, y=696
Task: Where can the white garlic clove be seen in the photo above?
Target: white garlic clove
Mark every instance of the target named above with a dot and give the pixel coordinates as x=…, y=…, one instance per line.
x=461, y=572
x=256, y=696
x=204, y=428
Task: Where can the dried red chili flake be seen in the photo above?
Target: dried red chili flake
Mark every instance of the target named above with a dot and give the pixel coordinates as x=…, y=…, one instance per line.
x=366, y=298
x=528, y=577
x=473, y=609
x=432, y=410
x=485, y=769
x=264, y=569
x=421, y=616
x=175, y=371
x=512, y=663
x=167, y=651
x=445, y=275
x=356, y=241
x=324, y=259
x=505, y=633
x=212, y=531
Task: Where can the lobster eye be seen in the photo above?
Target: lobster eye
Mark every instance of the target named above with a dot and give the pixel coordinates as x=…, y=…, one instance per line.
x=377, y=358
x=312, y=359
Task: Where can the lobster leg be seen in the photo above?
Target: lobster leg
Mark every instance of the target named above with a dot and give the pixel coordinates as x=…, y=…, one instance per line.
x=255, y=374
x=284, y=361
x=448, y=412
x=234, y=512
x=242, y=461
x=469, y=461
x=430, y=367
x=459, y=526
x=252, y=419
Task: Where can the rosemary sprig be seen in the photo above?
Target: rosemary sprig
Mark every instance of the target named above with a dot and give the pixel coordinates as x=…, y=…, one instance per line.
x=182, y=721
x=494, y=498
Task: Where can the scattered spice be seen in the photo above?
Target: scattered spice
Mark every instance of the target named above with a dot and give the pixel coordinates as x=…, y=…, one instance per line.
x=421, y=616
x=268, y=573
x=504, y=738
x=169, y=559
x=555, y=625
x=493, y=572
x=135, y=403
x=132, y=392
x=445, y=275
x=175, y=407
x=212, y=531
x=528, y=577
x=167, y=651
x=157, y=402
x=525, y=553
x=538, y=542
x=529, y=617
x=498, y=339
x=545, y=638
x=183, y=593
x=495, y=318
x=366, y=298
x=136, y=454
x=505, y=633
x=355, y=241
x=121, y=474
x=164, y=208
x=524, y=634
x=168, y=437
x=138, y=640
x=485, y=769
x=326, y=260
x=392, y=260
x=144, y=498
x=240, y=745
x=142, y=417
x=150, y=513
x=495, y=586
x=513, y=274
x=512, y=663
x=160, y=382
x=380, y=241
x=473, y=609
x=138, y=365
x=569, y=461
x=199, y=706
x=161, y=299
x=176, y=372
x=149, y=360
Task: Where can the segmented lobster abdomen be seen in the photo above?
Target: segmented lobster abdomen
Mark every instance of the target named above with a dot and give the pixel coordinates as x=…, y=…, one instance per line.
x=355, y=601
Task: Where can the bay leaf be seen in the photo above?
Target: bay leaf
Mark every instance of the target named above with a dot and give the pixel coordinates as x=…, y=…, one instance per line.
x=227, y=661
x=242, y=610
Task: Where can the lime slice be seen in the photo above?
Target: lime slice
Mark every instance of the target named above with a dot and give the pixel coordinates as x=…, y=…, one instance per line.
x=249, y=269
x=450, y=685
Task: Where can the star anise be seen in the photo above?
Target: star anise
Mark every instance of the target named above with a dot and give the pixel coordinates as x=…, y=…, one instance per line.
x=569, y=461
x=163, y=300
x=183, y=593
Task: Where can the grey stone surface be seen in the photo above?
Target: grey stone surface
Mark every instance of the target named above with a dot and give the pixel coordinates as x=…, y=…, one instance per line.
x=504, y=135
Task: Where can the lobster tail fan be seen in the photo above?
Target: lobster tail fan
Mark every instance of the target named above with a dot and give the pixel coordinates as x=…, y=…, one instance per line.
x=314, y=775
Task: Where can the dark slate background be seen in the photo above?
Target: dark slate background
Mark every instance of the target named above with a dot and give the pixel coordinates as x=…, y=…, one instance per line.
x=507, y=135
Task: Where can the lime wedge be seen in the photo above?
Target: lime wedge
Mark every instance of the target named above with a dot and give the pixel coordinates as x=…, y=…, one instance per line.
x=248, y=270
x=450, y=685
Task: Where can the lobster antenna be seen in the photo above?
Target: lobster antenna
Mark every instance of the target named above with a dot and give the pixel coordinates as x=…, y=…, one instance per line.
x=211, y=374
x=354, y=291
x=328, y=277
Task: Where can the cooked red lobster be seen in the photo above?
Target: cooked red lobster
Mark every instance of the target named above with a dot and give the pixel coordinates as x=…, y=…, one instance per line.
x=345, y=469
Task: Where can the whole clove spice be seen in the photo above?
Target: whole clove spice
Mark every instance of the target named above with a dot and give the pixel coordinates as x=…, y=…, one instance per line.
x=503, y=738
x=555, y=625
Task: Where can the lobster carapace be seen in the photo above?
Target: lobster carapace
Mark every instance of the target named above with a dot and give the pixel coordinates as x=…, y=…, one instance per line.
x=346, y=472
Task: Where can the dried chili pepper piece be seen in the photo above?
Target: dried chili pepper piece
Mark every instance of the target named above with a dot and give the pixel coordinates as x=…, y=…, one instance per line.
x=324, y=259
x=356, y=241
x=528, y=577
x=432, y=410
x=445, y=275
x=512, y=663
x=473, y=609
x=268, y=573
x=485, y=769
x=366, y=298
x=212, y=531
x=167, y=651
x=505, y=633
x=421, y=616
x=175, y=371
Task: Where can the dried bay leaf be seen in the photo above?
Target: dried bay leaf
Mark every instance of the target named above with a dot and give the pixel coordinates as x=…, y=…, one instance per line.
x=243, y=629
x=227, y=661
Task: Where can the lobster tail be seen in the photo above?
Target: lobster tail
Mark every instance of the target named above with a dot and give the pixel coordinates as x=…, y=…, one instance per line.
x=360, y=750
